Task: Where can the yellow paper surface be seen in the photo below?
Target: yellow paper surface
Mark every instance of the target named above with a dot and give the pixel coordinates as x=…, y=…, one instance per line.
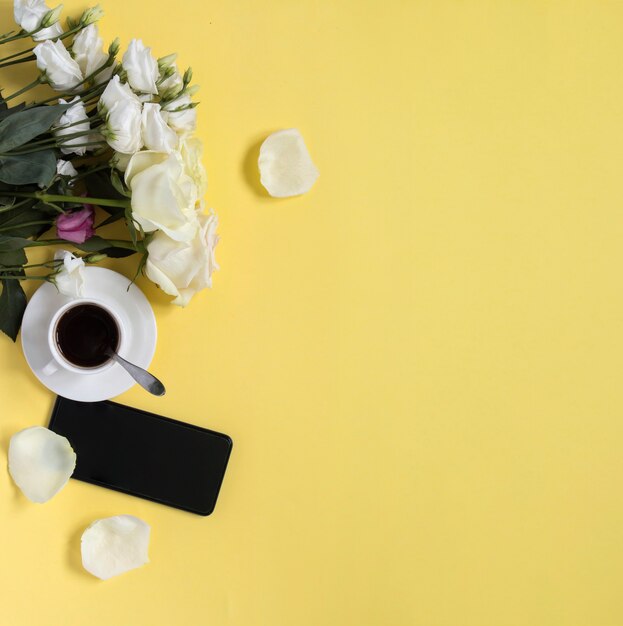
x=419, y=361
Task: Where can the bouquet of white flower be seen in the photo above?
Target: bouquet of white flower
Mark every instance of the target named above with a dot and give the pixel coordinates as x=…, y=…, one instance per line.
x=118, y=136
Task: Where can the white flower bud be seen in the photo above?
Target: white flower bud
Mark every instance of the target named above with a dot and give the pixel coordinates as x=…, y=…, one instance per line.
x=57, y=66
x=71, y=117
x=156, y=134
x=141, y=67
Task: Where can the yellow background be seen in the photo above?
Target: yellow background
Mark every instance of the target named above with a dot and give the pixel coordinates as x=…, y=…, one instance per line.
x=419, y=361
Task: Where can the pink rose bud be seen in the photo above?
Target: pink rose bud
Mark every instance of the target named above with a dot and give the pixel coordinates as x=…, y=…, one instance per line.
x=76, y=227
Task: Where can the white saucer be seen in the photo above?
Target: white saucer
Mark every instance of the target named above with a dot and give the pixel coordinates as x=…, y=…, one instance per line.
x=136, y=316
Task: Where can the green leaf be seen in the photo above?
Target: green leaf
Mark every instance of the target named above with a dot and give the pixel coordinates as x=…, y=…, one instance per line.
x=21, y=169
x=99, y=185
x=13, y=258
x=98, y=244
x=20, y=220
x=131, y=225
x=9, y=244
x=6, y=111
x=113, y=217
x=139, y=268
x=118, y=184
x=12, y=306
x=21, y=127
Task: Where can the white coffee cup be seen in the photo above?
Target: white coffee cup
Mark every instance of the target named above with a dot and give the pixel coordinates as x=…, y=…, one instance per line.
x=59, y=361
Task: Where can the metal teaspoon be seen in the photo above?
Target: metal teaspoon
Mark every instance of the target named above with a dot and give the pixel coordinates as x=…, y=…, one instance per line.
x=142, y=377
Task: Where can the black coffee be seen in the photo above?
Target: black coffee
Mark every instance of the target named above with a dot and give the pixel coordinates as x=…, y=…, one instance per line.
x=84, y=333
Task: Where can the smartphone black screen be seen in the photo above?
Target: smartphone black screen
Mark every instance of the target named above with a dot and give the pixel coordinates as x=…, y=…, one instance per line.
x=144, y=454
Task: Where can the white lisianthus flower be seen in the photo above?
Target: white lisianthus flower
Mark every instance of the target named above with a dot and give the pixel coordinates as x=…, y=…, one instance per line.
x=172, y=84
x=57, y=66
x=123, y=117
x=29, y=14
x=182, y=268
x=156, y=134
x=163, y=196
x=191, y=150
x=182, y=121
x=73, y=115
x=141, y=67
x=65, y=168
x=70, y=279
x=88, y=53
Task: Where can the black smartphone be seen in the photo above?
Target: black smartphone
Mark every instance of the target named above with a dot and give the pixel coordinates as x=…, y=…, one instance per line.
x=144, y=454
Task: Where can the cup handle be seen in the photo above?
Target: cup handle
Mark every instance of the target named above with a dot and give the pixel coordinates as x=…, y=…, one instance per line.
x=50, y=368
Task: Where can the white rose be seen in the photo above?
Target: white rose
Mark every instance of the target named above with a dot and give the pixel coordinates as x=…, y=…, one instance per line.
x=29, y=14
x=156, y=134
x=191, y=150
x=73, y=115
x=123, y=117
x=141, y=67
x=70, y=279
x=181, y=269
x=184, y=121
x=88, y=53
x=57, y=66
x=163, y=195
x=65, y=168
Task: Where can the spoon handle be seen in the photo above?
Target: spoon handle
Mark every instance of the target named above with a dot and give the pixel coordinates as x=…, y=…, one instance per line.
x=142, y=377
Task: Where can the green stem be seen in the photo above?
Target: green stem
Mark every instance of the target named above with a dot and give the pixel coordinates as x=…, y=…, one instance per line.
x=5, y=277
x=4, y=209
x=22, y=52
x=16, y=268
x=84, y=95
x=32, y=57
x=58, y=145
x=23, y=89
x=91, y=171
x=49, y=142
x=117, y=243
x=59, y=140
x=20, y=35
x=38, y=223
x=45, y=197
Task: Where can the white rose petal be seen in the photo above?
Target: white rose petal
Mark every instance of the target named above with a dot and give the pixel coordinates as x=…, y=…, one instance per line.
x=59, y=69
x=73, y=115
x=141, y=67
x=286, y=169
x=28, y=15
x=123, y=117
x=88, y=53
x=70, y=280
x=156, y=134
x=182, y=268
x=163, y=196
x=182, y=121
x=115, y=545
x=40, y=462
x=191, y=150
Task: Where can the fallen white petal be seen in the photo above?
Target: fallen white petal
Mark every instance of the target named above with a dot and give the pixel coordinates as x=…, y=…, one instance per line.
x=114, y=545
x=286, y=169
x=40, y=462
